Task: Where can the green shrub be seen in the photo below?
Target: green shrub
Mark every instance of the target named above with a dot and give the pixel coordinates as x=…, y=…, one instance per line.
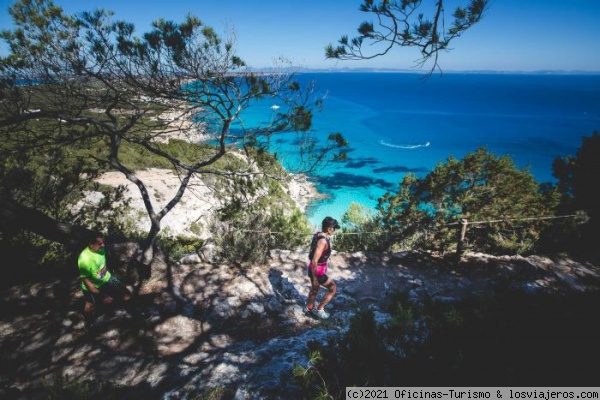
x=507, y=338
x=310, y=379
x=360, y=231
x=179, y=246
x=249, y=236
x=481, y=187
x=62, y=387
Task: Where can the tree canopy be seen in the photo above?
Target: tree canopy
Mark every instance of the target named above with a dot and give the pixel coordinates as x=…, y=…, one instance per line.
x=578, y=181
x=79, y=92
x=481, y=187
x=403, y=23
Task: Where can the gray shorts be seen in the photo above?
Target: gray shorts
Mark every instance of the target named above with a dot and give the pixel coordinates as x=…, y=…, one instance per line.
x=112, y=288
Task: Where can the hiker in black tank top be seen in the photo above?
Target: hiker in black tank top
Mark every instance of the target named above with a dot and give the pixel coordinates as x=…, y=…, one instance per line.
x=320, y=251
x=322, y=261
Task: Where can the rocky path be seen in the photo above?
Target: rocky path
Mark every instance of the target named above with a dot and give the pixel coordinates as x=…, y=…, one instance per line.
x=242, y=330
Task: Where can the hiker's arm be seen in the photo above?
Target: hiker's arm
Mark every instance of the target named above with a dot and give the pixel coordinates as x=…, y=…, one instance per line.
x=321, y=245
x=90, y=286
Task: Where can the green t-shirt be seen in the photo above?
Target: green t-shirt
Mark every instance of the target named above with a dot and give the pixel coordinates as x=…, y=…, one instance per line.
x=93, y=266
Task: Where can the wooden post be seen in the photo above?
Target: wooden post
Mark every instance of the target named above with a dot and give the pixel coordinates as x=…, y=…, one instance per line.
x=463, y=231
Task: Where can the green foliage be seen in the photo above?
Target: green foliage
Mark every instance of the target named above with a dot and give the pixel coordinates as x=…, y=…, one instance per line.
x=111, y=214
x=578, y=181
x=195, y=228
x=402, y=321
x=494, y=340
x=294, y=228
x=256, y=216
x=357, y=215
x=61, y=387
x=84, y=87
x=360, y=231
x=53, y=179
x=247, y=236
x=46, y=178
x=310, y=379
x=360, y=358
x=402, y=23
x=481, y=187
x=138, y=158
x=314, y=152
x=218, y=393
x=178, y=246
x=362, y=352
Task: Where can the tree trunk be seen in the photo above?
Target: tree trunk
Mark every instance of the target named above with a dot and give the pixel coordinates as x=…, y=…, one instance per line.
x=147, y=249
x=14, y=216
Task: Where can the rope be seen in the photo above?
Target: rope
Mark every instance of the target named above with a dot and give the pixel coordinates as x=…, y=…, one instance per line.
x=508, y=219
x=450, y=224
x=308, y=235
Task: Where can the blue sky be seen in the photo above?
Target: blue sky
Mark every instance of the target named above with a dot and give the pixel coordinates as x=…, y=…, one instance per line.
x=515, y=35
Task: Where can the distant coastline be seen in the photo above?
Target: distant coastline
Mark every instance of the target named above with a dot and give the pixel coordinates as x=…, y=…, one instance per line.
x=421, y=72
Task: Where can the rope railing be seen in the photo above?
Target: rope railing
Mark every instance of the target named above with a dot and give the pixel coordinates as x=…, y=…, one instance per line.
x=466, y=222
x=508, y=219
x=308, y=235
x=463, y=223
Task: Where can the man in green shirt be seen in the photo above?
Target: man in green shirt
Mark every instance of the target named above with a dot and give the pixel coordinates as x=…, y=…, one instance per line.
x=97, y=282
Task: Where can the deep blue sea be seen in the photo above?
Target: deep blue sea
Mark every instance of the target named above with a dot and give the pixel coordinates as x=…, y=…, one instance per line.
x=403, y=122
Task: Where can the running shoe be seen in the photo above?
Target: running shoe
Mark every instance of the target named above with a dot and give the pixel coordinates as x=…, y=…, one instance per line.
x=322, y=314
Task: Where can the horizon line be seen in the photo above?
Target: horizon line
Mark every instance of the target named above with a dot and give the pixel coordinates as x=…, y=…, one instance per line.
x=405, y=70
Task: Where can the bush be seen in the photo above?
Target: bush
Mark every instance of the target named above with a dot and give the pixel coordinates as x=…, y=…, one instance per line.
x=577, y=181
x=61, y=387
x=178, y=246
x=250, y=236
x=481, y=187
x=503, y=339
x=360, y=232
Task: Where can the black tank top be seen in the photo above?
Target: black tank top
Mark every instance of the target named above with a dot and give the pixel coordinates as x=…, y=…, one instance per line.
x=313, y=246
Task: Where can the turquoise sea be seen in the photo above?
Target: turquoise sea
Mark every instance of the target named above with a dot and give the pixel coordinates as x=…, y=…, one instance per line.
x=403, y=122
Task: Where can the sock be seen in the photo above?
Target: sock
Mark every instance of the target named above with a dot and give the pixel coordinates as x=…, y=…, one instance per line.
x=310, y=306
x=319, y=308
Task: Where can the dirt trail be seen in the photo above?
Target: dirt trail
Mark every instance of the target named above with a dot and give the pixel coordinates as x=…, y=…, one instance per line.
x=214, y=325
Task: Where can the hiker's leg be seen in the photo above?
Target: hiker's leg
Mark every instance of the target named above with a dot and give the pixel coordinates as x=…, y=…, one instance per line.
x=312, y=293
x=312, y=296
x=115, y=289
x=89, y=308
x=331, y=289
x=123, y=296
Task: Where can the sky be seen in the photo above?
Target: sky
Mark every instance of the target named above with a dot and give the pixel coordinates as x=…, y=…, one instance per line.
x=514, y=35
